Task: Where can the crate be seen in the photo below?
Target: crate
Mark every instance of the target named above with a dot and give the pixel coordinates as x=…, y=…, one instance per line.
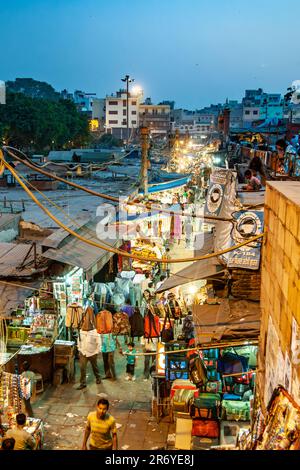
x=64, y=348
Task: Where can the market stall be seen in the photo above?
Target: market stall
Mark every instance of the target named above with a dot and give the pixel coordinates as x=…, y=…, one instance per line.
x=13, y=389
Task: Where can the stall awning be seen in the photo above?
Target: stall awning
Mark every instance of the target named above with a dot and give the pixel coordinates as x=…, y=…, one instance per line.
x=231, y=319
x=199, y=270
x=77, y=253
x=14, y=293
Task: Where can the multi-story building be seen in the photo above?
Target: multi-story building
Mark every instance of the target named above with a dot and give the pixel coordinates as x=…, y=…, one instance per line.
x=116, y=114
x=155, y=116
x=258, y=105
x=193, y=128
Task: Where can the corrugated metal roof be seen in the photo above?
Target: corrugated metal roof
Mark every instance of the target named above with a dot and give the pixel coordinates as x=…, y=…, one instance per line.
x=199, y=270
x=12, y=257
x=11, y=296
x=56, y=238
x=75, y=252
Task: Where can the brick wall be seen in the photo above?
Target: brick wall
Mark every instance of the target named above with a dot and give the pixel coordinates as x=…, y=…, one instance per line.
x=280, y=288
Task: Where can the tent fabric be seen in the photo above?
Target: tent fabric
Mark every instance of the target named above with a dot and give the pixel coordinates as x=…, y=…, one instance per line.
x=199, y=270
x=230, y=319
x=204, y=243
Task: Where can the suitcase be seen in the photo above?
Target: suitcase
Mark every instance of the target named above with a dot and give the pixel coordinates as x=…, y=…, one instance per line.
x=182, y=399
x=203, y=443
x=206, y=406
x=240, y=389
x=244, y=379
x=211, y=353
x=214, y=387
x=213, y=375
x=235, y=410
x=173, y=374
x=206, y=428
x=181, y=384
x=231, y=396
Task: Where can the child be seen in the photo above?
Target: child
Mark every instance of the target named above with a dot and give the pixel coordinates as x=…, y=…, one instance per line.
x=253, y=182
x=131, y=360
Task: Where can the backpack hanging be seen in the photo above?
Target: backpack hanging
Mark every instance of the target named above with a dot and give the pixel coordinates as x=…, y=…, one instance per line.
x=198, y=371
x=188, y=327
x=137, y=324
x=167, y=334
x=151, y=325
x=104, y=322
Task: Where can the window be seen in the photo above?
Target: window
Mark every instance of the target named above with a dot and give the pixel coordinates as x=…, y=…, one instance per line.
x=113, y=121
x=113, y=103
x=124, y=103
x=124, y=112
x=133, y=103
x=133, y=122
x=247, y=112
x=133, y=112
x=255, y=112
x=112, y=112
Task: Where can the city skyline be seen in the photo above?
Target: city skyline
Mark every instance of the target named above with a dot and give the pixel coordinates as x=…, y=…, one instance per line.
x=190, y=52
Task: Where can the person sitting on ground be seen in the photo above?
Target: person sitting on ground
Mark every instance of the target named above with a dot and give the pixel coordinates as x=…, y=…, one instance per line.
x=253, y=183
x=23, y=440
x=131, y=361
x=8, y=444
x=256, y=166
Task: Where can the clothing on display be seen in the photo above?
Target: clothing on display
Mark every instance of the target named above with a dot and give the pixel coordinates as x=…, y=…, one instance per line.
x=74, y=315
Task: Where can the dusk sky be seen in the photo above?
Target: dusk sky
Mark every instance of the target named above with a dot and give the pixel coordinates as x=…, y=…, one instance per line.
x=195, y=52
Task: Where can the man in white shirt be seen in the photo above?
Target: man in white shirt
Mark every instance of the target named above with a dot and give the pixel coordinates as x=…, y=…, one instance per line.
x=89, y=346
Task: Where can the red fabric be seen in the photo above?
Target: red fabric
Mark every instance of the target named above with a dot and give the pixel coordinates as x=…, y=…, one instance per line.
x=184, y=387
x=205, y=428
x=151, y=326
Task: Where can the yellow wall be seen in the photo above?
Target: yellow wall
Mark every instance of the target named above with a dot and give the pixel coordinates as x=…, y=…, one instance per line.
x=280, y=290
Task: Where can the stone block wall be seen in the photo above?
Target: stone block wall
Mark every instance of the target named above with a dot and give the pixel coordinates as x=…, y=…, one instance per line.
x=280, y=290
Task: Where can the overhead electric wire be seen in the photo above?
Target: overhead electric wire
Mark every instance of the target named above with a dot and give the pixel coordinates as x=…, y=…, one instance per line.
x=115, y=250
x=29, y=164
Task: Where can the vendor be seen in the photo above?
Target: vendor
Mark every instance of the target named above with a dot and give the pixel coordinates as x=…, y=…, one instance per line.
x=23, y=440
x=253, y=183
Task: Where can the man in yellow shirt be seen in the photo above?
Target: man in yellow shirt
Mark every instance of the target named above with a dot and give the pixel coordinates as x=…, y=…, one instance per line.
x=101, y=426
x=23, y=440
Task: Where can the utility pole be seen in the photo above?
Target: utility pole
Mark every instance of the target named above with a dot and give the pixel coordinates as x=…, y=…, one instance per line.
x=128, y=80
x=144, y=132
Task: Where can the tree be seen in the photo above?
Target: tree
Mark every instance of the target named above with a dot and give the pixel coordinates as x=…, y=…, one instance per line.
x=32, y=123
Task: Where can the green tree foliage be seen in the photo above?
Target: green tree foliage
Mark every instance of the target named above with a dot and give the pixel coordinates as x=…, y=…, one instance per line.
x=39, y=124
x=33, y=89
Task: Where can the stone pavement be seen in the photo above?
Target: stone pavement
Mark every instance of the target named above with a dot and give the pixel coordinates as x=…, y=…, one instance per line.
x=64, y=410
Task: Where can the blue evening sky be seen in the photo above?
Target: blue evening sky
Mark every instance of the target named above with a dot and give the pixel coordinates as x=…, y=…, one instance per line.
x=195, y=52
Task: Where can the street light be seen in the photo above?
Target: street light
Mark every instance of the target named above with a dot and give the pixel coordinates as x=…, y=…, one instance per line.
x=128, y=80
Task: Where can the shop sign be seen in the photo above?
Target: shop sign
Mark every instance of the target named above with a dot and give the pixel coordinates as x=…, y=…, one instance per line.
x=248, y=224
x=215, y=195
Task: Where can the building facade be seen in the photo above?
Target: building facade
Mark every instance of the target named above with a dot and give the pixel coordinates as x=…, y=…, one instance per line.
x=116, y=114
x=156, y=117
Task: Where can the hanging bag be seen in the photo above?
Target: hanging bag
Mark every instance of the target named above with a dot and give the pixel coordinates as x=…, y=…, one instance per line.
x=151, y=325
x=167, y=334
x=198, y=371
x=136, y=324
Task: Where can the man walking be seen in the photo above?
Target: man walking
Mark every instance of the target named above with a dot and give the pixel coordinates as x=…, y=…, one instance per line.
x=101, y=426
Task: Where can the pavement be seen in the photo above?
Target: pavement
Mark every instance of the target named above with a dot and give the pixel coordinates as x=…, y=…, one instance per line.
x=64, y=410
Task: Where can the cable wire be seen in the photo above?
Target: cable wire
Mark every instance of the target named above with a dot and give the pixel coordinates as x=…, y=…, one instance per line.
x=115, y=250
x=105, y=196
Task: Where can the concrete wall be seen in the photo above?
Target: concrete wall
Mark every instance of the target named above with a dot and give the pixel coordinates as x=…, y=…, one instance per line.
x=279, y=358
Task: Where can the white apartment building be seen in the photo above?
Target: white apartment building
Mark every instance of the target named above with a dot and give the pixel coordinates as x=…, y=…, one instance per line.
x=116, y=114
